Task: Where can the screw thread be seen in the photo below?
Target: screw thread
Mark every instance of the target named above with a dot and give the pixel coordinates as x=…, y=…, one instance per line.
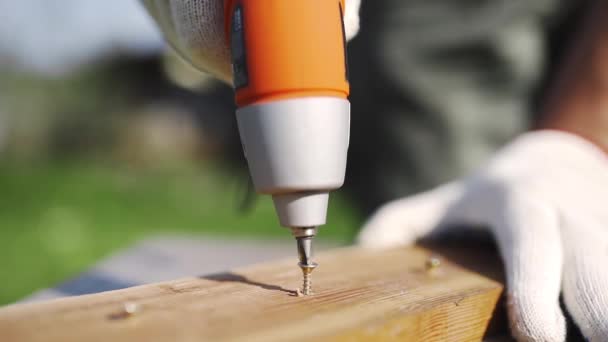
x=307, y=285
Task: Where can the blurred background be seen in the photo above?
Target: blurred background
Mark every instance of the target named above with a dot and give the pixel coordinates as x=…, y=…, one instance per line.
x=105, y=140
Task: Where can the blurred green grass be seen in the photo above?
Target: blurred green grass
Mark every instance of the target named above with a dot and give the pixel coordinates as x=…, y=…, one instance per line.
x=58, y=218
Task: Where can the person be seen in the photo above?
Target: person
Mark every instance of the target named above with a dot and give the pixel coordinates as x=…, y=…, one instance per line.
x=438, y=87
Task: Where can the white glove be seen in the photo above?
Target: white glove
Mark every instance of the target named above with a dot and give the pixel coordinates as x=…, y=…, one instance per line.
x=545, y=199
x=195, y=28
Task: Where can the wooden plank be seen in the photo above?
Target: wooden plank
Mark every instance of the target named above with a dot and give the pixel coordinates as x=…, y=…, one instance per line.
x=360, y=294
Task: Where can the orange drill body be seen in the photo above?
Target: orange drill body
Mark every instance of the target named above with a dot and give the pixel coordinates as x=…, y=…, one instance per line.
x=287, y=49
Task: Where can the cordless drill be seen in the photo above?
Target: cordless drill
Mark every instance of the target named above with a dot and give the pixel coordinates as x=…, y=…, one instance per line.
x=291, y=82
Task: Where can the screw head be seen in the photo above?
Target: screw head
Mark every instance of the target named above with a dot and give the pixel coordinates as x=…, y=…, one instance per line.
x=130, y=308
x=432, y=263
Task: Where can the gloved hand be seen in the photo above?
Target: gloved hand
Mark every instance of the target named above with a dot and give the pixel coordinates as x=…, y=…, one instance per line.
x=545, y=199
x=195, y=29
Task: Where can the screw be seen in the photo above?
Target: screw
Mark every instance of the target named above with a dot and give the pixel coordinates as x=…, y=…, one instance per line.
x=306, y=280
x=432, y=263
x=130, y=308
x=307, y=285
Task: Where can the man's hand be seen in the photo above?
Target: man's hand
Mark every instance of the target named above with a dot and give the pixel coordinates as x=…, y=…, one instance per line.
x=545, y=199
x=195, y=29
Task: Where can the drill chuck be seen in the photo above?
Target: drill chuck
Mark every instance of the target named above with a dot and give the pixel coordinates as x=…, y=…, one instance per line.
x=296, y=150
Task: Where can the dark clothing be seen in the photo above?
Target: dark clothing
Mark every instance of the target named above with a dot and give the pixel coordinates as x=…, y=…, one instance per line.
x=439, y=85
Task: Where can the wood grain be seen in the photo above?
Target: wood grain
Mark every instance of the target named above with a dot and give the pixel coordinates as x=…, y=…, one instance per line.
x=359, y=294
